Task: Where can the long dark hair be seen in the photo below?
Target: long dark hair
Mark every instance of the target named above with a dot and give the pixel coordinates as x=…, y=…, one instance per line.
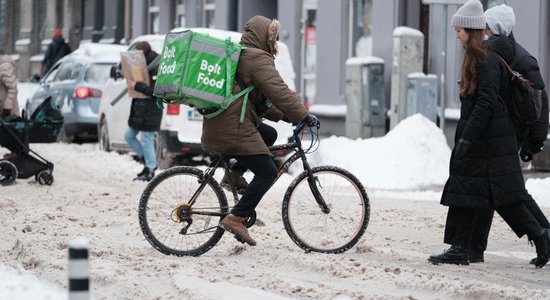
x=475, y=52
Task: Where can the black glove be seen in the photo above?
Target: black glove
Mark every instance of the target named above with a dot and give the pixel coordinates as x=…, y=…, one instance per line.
x=526, y=154
x=311, y=121
x=463, y=147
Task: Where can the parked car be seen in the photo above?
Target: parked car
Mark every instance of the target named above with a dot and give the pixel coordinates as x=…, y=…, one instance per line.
x=76, y=83
x=178, y=141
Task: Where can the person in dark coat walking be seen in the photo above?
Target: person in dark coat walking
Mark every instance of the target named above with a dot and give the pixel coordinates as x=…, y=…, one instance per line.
x=484, y=167
x=56, y=50
x=145, y=118
x=500, y=23
x=225, y=135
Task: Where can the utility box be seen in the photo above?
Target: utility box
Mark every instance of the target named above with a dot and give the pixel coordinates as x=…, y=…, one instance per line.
x=422, y=95
x=365, y=97
x=408, y=57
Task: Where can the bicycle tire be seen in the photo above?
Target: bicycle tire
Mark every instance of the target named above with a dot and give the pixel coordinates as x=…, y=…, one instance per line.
x=336, y=231
x=166, y=192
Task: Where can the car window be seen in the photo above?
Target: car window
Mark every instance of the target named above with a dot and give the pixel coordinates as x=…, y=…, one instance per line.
x=68, y=71
x=51, y=74
x=97, y=73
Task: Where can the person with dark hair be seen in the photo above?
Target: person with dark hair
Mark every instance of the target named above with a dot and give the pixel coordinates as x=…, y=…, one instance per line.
x=484, y=168
x=226, y=135
x=56, y=50
x=145, y=118
x=500, y=23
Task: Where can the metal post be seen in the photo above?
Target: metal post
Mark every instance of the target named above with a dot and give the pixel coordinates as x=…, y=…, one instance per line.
x=79, y=270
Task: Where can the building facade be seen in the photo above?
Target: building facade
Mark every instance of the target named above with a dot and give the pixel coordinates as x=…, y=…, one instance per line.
x=321, y=34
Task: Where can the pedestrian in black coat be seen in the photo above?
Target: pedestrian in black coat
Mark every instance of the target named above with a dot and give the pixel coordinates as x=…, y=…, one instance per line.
x=484, y=167
x=57, y=49
x=500, y=23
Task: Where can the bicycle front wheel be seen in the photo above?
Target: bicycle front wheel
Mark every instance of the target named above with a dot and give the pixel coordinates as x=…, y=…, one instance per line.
x=334, y=231
x=171, y=223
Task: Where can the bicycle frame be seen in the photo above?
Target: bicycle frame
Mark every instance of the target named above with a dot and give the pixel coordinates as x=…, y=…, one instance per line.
x=299, y=153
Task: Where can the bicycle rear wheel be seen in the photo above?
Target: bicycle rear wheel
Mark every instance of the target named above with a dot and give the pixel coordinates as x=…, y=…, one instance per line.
x=174, y=226
x=333, y=232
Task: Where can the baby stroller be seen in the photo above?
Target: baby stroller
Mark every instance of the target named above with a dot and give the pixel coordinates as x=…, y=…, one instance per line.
x=15, y=134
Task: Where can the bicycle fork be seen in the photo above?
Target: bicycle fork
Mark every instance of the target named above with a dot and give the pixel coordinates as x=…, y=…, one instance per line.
x=314, y=185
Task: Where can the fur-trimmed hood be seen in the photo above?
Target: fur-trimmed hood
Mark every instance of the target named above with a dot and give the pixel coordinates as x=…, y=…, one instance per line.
x=261, y=32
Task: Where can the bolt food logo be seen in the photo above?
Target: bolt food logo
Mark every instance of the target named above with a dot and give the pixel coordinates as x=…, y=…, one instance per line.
x=164, y=68
x=214, y=69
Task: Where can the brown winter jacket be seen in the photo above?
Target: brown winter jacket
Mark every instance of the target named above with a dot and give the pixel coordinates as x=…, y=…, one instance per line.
x=8, y=85
x=224, y=134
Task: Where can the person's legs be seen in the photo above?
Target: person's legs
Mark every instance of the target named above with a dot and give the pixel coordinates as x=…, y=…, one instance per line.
x=480, y=234
x=269, y=136
x=521, y=220
x=458, y=232
x=265, y=174
x=131, y=138
x=148, y=146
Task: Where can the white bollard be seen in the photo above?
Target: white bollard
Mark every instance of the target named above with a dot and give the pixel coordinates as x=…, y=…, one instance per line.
x=79, y=269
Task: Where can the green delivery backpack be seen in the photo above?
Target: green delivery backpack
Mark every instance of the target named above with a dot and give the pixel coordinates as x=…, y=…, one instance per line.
x=198, y=70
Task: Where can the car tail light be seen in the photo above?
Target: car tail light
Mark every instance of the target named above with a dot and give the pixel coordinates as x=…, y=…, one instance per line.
x=83, y=92
x=173, y=109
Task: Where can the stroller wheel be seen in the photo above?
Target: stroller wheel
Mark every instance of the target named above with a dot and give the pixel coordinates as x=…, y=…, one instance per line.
x=44, y=177
x=8, y=172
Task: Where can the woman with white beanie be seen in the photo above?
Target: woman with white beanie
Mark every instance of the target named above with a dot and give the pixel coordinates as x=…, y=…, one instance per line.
x=484, y=168
x=500, y=23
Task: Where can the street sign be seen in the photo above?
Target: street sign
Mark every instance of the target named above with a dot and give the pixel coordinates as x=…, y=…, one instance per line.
x=447, y=2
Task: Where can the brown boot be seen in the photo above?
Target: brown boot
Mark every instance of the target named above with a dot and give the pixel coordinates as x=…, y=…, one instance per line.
x=237, y=176
x=235, y=225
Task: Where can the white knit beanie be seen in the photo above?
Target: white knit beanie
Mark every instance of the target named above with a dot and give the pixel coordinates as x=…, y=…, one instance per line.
x=501, y=19
x=470, y=15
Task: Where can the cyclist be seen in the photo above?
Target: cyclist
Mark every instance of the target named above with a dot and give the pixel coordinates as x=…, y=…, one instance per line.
x=225, y=135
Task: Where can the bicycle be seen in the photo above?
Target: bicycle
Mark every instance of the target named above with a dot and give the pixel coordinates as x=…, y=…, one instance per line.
x=325, y=209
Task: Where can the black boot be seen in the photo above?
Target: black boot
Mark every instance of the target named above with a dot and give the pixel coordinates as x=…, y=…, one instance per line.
x=475, y=256
x=542, y=244
x=456, y=255
x=143, y=172
x=147, y=175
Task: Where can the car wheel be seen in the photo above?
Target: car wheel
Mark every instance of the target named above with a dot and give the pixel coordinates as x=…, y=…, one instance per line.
x=103, y=136
x=163, y=161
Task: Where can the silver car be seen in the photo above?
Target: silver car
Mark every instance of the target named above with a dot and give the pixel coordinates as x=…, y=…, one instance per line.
x=76, y=84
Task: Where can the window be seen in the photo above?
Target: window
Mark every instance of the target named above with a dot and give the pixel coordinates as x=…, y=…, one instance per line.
x=153, y=16
x=68, y=71
x=361, y=28
x=97, y=73
x=180, y=13
x=209, y=9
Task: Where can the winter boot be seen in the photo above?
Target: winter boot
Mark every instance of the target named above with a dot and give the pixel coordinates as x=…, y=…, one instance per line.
x=476, y=256
x=542, y=244
x=143, y=172
x=237, y=176
x=456, y=255
x=235, y=225
x=146, y=175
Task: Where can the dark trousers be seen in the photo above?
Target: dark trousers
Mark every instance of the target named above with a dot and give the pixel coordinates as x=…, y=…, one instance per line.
x=460, y=223
x=269, y=135
x=265, y=173
x=484, y=217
